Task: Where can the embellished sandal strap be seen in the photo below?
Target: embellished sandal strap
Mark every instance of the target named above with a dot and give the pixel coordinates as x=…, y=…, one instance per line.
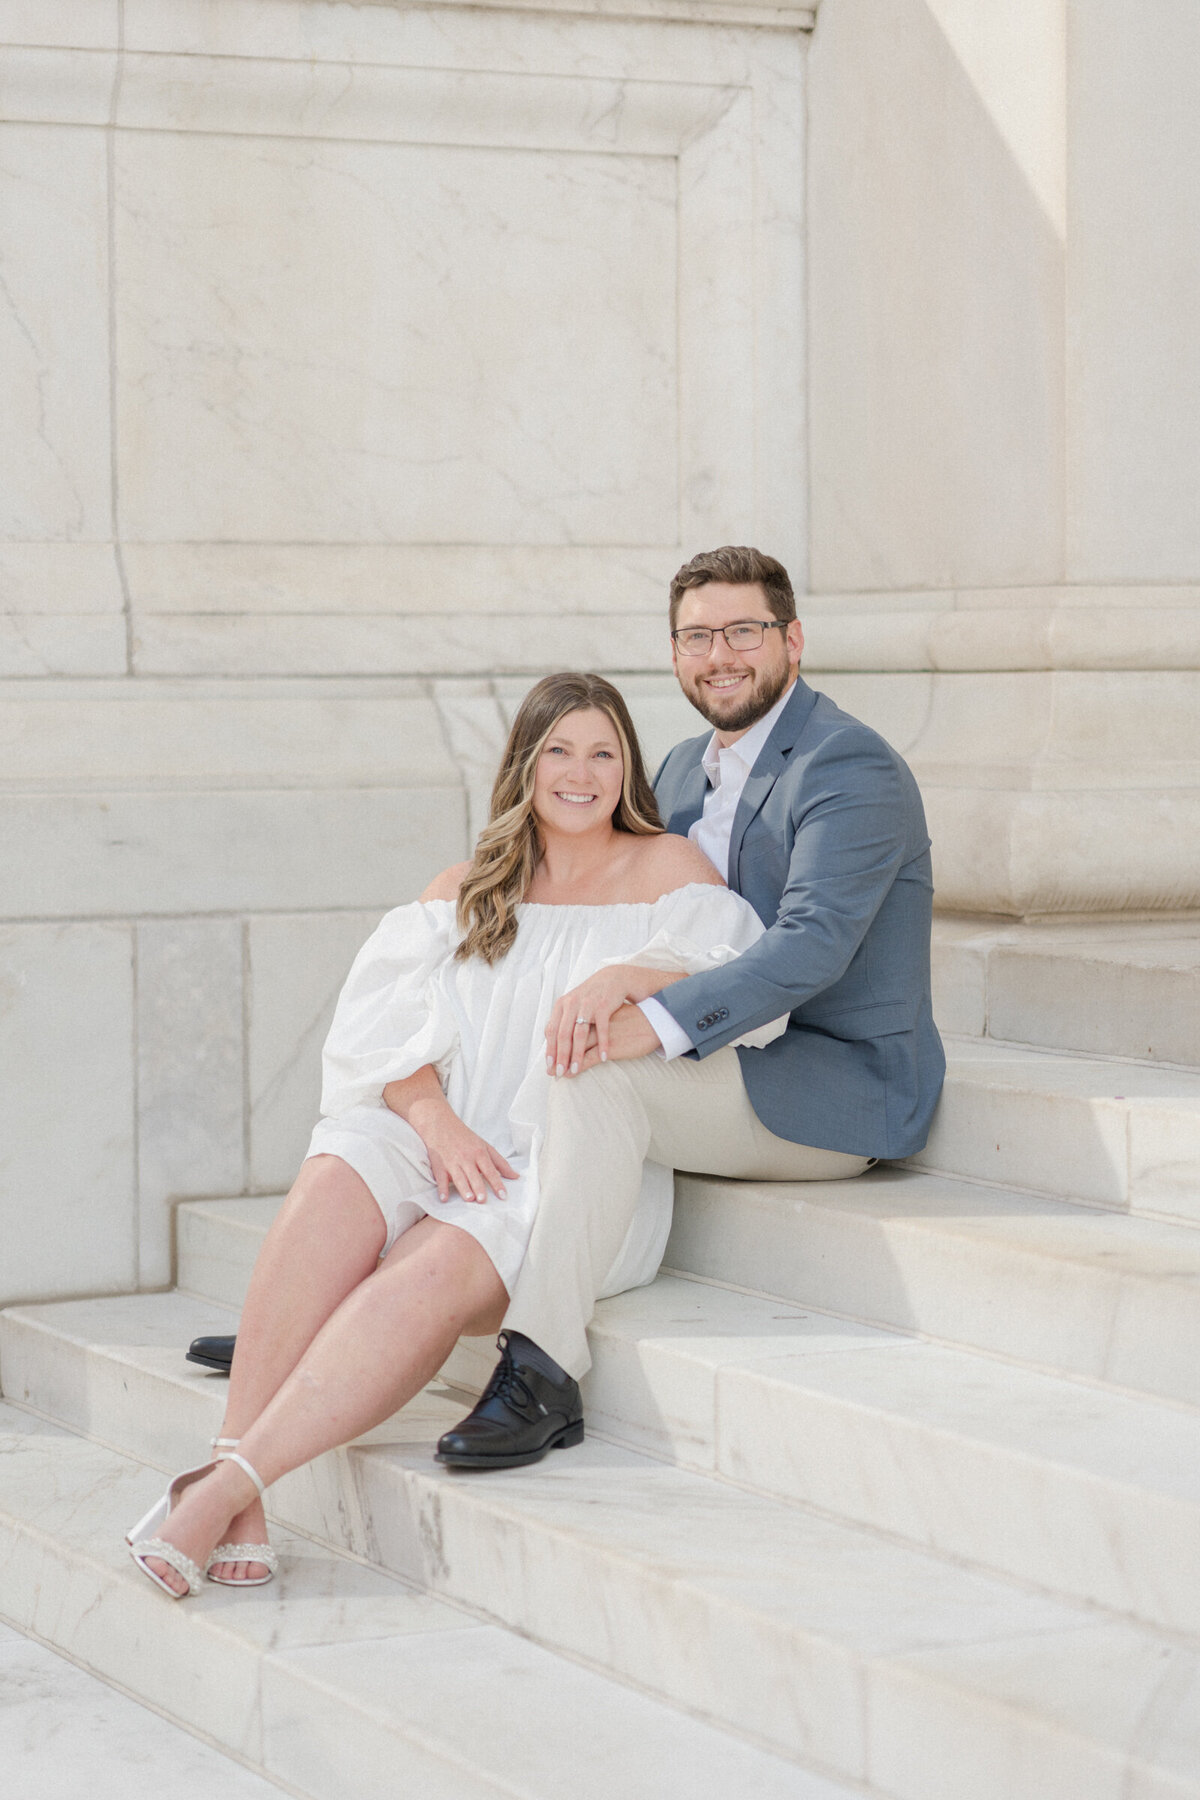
x=258, y=1553
x=233, y=1457
x=173, y=1557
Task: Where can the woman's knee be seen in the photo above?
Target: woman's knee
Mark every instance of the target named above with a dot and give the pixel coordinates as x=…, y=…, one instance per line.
x=440, y=1257
x=331, y=1195
x=326, y=1177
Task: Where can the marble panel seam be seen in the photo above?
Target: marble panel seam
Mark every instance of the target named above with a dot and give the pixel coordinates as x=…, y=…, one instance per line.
x=1039, y=1055
x=247, y=1009
x=114, y=461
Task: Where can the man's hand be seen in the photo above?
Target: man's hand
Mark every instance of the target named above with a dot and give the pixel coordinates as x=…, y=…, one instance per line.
x=630, y=1035
x=581, y=1017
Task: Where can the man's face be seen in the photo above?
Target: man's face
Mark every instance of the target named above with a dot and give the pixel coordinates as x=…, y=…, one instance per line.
x=734, y=688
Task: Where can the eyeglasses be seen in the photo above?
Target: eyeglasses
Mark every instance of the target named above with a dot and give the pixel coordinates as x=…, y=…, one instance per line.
x=746, y=634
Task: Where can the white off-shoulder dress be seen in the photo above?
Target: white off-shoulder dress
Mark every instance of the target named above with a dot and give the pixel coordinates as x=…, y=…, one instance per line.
x=407, y=1002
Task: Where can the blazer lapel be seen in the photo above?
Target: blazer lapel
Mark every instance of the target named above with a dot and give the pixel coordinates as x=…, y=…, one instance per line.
x=772, y=761
x=690, y=803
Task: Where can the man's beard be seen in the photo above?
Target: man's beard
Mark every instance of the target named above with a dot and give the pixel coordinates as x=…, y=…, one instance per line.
x=757, y=703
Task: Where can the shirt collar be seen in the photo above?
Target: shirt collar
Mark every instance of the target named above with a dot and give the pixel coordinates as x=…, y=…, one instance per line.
x=747, y=748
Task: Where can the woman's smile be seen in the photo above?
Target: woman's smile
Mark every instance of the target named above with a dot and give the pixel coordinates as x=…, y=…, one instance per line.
x=583, y=747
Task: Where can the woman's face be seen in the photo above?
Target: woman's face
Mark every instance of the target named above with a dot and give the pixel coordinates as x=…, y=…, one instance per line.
x=579, y=773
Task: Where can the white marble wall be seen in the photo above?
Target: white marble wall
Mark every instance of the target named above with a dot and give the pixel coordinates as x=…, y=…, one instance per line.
x=1133, y=253
x=1004, y=372
x=937, y=292
x=1003, y=242
x=357, y=364
x=350, y=339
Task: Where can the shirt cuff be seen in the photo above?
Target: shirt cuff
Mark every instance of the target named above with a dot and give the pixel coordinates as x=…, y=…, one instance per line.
x=671, y=1035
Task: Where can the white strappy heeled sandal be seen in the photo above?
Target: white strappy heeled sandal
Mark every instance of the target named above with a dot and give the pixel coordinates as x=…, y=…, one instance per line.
x=259, y=1553
x=143, y=1542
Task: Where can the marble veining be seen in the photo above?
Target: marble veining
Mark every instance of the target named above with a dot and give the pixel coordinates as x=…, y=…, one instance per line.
x=54, y=456
x=64, y=1732
x=456, y=393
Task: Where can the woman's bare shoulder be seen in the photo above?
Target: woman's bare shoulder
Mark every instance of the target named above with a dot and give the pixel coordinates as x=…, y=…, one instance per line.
x=676, y=862
x=446, y=885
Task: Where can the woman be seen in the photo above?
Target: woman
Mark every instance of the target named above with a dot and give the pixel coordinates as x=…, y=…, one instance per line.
x=408, y=1221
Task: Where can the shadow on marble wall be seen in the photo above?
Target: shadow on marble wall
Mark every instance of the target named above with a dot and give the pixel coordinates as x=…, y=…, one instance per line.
x=936, y=294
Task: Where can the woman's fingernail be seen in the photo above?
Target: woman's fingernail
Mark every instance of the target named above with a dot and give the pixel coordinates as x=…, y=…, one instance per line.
x=559, y=1069
x=574, y=1068
x=604, y=1056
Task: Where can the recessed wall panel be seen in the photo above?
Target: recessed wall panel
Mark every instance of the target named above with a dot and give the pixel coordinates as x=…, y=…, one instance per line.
x=337, y=342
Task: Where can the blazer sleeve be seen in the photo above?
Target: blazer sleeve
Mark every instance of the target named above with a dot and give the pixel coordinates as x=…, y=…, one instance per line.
x=850, y=841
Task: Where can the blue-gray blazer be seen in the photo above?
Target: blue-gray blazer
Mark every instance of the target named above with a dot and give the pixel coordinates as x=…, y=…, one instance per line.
x=829, y=846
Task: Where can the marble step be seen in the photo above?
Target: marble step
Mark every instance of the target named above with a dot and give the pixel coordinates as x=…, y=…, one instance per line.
x=1120, y=1134
x=216, y=1242
x=338, y=1678
x=825, y=1643
x=1079, y=1490
x=64, y=1733
x=1068, y=1289
x=1104, y=988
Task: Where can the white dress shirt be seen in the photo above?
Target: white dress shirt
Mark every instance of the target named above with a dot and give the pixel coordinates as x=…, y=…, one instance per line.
x=728, y=771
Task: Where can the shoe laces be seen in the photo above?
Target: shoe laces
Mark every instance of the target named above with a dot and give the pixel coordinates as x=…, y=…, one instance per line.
x=507, y=1385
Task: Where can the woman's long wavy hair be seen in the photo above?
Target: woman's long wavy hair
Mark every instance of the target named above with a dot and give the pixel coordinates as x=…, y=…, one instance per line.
x=510, y=847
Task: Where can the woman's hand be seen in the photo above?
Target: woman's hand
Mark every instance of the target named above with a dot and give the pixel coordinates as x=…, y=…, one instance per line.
x=458, y=1156
x=587, y=1009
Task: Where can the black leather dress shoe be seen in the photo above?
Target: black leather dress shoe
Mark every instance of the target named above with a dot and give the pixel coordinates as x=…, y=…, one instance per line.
x=521, y=1414
x=212, y=1352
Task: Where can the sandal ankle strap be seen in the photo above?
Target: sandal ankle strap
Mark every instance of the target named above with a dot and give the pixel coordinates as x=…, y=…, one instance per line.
x=223, y=1443
x=233, y=1457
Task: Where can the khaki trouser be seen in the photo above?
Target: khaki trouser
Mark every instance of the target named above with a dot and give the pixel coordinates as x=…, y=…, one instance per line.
x=600, y=1128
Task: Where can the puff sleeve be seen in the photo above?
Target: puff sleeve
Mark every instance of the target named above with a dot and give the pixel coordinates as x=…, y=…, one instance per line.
x=393, y=1015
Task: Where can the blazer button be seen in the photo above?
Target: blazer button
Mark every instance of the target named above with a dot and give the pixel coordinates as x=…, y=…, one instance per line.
x=724, y=1013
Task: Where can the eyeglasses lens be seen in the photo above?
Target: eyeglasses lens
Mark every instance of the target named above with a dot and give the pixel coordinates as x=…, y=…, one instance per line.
x=697, y=641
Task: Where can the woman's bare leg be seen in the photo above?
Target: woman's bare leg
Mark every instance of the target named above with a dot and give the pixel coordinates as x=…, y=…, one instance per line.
x=324, y=1240
x=386, y=1339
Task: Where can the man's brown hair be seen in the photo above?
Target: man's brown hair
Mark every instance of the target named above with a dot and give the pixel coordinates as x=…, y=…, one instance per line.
x=737, y=564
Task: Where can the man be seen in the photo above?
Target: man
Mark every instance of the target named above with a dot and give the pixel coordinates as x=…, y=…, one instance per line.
x=818, y=823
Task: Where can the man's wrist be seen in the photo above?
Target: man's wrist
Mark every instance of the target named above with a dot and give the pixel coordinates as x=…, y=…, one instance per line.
x=673, y=1039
